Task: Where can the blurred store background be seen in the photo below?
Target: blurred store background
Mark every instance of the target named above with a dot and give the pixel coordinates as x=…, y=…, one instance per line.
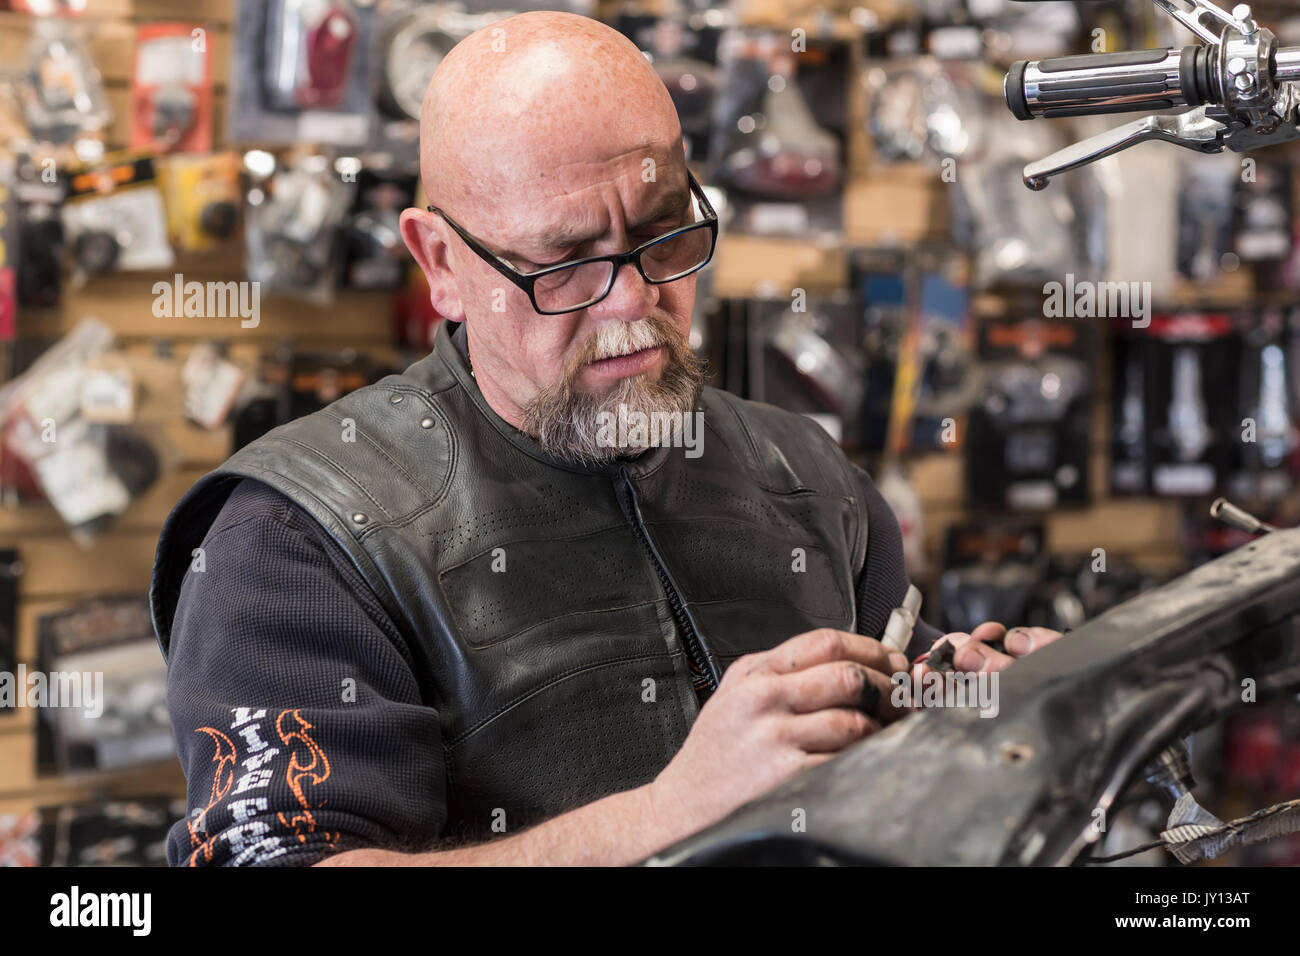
x=882, y=269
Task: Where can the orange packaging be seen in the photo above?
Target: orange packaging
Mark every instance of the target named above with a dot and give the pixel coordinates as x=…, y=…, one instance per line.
x=171, y=88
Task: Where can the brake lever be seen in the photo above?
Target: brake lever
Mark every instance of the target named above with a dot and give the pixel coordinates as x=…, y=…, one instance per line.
x=1192, y=130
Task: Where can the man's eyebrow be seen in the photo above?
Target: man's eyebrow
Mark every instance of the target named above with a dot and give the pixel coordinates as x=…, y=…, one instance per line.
x=563, y=235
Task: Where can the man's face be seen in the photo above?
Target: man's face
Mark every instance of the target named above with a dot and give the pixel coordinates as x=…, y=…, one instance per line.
x=554, y=374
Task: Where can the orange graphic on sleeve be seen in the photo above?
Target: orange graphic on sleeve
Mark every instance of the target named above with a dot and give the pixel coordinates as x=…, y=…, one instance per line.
x=313, y=769
x=224, y=757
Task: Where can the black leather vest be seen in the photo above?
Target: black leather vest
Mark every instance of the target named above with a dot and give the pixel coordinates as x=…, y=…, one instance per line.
x=551, y=608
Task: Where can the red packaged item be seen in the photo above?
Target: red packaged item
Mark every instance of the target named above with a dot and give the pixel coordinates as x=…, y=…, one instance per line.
x=171, y=88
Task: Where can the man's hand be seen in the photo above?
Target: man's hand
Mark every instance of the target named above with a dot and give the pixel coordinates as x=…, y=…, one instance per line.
x=774, y=714
x=973, y=654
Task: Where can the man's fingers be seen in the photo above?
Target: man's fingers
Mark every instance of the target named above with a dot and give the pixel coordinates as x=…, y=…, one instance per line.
x=974, y=657
x=840, y=684
x=1025, y=640
x=825, y=645
x=831, y=730
x=989, y=631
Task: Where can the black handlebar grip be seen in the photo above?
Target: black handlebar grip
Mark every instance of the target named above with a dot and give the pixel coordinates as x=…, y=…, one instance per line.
x=1096, y=83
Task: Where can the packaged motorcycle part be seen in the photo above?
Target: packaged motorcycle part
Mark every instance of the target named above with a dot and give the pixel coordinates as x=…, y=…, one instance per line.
x=684, y=52
x=114, y=218
x=896, y=110
x=1027, y=437
x=291, y=229
x=374, y=255
x=1018, y=239
x=1206, y=205
x=1261, y=225
x=202, y=195
x=212, y=383
x=413, y=42
x=1265, y=467
x=108, y=391
x=301, y=72
x=779, y=132
x=171, y=88
x=922, y=108
x=309, y=49
x=1193, y=430
x=1130, y=470
x=123, y=719
x=61, y=92
x=811, y=360
x=88, y=471
x=410, y=40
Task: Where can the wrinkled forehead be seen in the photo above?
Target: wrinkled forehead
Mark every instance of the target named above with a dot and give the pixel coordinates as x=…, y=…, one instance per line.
x=549, y=184
x=529, y=127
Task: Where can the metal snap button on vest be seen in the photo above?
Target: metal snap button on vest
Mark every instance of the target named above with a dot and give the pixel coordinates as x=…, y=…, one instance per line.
x=396, y=399
x=426, y=422
x=360, y=517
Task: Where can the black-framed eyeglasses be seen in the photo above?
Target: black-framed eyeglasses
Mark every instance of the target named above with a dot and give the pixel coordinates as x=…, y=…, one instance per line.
x=570, y=286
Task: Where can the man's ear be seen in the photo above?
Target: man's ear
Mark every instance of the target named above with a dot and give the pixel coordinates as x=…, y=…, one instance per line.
x=421, y=233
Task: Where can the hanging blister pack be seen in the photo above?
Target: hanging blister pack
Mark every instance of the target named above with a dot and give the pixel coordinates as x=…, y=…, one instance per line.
x=301, y=72
x=292, y=225
x=171, y=88
x=1027, y=439
x=1266, y=460
x=114, y=219
x=779, y=132
x=61, y=92
x=66, y=419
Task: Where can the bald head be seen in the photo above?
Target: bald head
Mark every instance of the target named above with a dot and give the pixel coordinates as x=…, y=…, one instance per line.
x=529, y=101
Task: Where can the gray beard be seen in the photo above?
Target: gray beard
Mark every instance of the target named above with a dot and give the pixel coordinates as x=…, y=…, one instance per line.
x=566, y=422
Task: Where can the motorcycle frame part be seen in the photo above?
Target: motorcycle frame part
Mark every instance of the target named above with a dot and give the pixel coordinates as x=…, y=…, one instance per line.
x=1078, y=720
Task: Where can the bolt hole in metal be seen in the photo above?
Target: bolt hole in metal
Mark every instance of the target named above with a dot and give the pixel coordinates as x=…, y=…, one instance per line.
x=1016, y=753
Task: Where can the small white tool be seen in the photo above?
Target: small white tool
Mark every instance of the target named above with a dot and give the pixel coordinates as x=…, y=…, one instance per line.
x=898, y=632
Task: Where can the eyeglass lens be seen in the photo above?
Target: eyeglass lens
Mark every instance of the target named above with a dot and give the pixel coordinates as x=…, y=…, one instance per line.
x=668, y=259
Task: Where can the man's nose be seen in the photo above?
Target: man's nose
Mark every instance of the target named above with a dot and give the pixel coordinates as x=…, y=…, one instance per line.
x=630, y=298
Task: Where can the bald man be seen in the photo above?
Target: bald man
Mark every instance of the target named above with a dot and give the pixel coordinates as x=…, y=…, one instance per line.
x=463, y=616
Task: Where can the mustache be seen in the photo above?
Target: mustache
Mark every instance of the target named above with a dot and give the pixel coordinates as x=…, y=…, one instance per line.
x=612, y=341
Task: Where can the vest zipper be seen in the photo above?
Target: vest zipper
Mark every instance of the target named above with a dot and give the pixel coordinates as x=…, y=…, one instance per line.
x=701, y=659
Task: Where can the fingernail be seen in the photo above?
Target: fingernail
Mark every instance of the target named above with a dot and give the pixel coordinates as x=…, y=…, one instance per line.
x=1019, y=641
